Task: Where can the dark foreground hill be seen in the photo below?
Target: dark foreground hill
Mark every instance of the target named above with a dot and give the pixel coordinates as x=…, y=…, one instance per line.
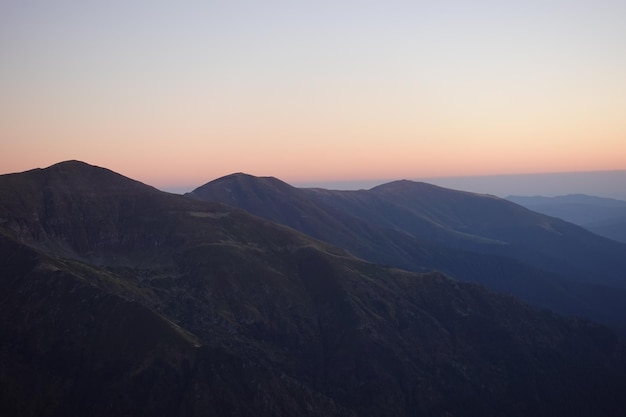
x=118, y=299
x=471, y=237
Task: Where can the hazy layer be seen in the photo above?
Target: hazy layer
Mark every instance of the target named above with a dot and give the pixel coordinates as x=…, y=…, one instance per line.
x=600, y=183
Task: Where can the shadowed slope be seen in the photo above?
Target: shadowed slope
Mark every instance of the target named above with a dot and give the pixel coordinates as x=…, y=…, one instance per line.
x=201, y=309
x=603, y=216
x=472, y=237
x=491, y=225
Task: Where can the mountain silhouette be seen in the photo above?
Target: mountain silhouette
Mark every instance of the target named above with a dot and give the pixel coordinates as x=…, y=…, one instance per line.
x=471, y=237
x=119, y=299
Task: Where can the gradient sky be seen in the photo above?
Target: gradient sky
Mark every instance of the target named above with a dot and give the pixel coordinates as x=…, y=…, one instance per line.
x=179, y=93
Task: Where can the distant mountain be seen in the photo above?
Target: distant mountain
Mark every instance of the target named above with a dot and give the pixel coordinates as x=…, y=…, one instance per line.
x=118, y=299
x=472, y=237
x=603, y=216
x=613, y=228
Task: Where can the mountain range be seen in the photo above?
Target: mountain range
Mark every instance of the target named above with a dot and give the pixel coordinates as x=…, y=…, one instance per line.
x=471, y=237
x=603, y=216
x=119, y=299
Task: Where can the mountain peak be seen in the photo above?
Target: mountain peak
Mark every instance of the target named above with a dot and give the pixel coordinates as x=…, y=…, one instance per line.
x=403, y=185
x=80, y=174
x=73, y=166
x=242, y=177
x=74, y=163
x=237, y=185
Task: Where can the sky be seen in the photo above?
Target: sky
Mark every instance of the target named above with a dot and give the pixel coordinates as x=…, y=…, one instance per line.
x=175, y=94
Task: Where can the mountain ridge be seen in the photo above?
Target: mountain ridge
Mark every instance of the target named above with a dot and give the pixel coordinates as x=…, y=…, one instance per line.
x=419, y=226
x=135, y=301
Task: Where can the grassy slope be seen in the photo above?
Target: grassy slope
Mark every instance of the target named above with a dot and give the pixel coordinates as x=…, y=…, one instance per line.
x=470, y=237
x=266, y=322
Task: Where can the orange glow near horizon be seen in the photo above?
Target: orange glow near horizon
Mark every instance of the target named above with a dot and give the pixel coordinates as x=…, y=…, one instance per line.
x=191, y=162
x=424, y=91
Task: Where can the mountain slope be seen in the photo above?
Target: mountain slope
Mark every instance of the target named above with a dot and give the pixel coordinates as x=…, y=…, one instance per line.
x=613, y=228
x=603, y=216
x=120, y=299
x=490, y=225
x=471, y=237
x=70, y=346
